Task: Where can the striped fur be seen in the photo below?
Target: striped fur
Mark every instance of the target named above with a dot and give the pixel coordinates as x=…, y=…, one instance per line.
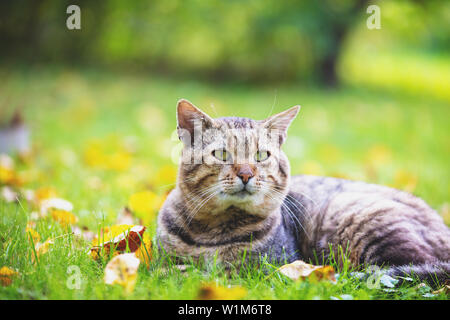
x=293, y=218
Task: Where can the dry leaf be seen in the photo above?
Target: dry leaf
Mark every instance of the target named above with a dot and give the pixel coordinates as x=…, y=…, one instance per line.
x=144, y=253
x=55, y=203
x=42, y=248
x=119, y=237
x=63, y=217
x=445, y=289
x=44, y=193
x=34, y=235
x=122, y=270
x=7, y=275
x=211, y=291
x=302, y=270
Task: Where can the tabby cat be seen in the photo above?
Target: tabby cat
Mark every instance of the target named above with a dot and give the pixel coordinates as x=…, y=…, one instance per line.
x=222, y=207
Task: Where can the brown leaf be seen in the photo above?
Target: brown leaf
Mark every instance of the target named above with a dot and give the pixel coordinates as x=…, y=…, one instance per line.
x=7, y=275
x=118, y=237
x=445, y=289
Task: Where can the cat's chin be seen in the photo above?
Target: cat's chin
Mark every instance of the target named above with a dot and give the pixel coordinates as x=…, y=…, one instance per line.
x=242, y=198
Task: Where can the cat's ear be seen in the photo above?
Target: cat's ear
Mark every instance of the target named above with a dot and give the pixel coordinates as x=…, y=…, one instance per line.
x=189, y=116
x=281, y=121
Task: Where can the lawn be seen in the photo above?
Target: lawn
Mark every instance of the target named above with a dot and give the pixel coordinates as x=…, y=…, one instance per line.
x=100, y=138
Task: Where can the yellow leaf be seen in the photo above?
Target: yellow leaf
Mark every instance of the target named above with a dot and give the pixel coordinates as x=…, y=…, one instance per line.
x=211, y=291
x=302, y=270
x=10, y=177
x=42, y=248
x=34, y=235
x=44, y=193
x=63, y=217
x=122, y=270
x=144, y=253
x=7, y=275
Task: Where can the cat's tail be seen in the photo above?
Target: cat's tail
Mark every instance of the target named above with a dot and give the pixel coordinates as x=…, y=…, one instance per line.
x=434, y=273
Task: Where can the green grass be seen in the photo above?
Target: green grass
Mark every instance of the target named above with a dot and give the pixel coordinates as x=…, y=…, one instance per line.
x=386, y=138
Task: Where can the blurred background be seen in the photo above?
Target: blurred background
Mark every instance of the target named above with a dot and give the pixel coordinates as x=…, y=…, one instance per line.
x=91, y=112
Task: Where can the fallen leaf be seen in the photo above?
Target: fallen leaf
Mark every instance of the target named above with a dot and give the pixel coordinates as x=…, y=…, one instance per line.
x=120, y=237
x=7, y=275
x=63, y=217
x=44, y=193
x=211, y=291
x=144, y=253
x=42, y=248
x=9, y=177
x=122, y=270
x=55, y=203
x=445, y=290
x=302, y=270
x=34, y=235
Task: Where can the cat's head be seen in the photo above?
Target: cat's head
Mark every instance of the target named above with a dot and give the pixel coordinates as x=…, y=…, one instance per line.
x=232, y=161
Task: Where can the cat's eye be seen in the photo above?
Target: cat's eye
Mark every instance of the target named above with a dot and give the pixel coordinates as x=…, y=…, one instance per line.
x=262, y=155
x=221, y=154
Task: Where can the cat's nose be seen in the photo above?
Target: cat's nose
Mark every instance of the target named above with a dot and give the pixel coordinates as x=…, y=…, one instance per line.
x=245, y=172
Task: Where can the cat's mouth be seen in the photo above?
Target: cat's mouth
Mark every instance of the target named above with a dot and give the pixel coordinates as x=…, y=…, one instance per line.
x=244, y=193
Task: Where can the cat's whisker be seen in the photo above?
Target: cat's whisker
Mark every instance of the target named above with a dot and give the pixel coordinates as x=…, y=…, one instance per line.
x=197, y=196
x=288, y=198
x=289, y=211
x=212, y=195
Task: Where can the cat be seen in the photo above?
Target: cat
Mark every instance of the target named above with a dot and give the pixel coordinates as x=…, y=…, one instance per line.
x=222, y=207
